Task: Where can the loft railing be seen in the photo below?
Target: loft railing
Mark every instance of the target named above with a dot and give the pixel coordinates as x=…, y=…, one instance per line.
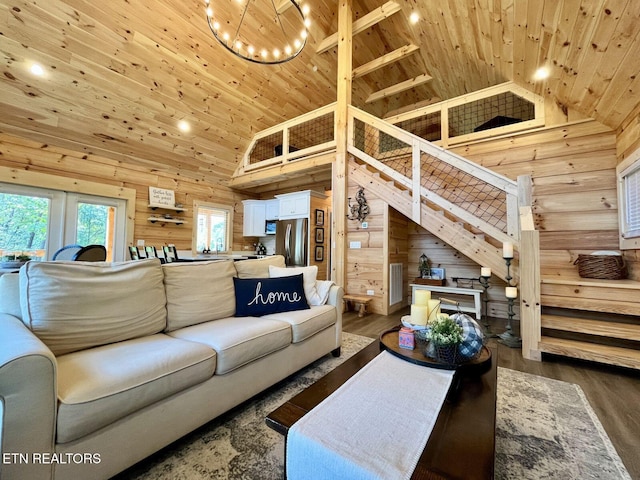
x=304, y=136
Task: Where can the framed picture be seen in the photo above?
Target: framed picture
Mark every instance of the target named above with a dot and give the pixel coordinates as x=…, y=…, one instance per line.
x=319, y=253
x=319, y=217
x=319, y=235
x=438, y=274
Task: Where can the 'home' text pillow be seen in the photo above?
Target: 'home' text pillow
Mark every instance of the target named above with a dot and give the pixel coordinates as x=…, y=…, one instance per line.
x=261, y=296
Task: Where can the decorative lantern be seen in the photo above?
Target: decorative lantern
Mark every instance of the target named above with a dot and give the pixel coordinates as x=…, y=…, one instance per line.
x=424, y=268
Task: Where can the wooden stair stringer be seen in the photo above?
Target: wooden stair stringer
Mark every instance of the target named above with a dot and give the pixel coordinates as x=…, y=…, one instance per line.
x=451, y=232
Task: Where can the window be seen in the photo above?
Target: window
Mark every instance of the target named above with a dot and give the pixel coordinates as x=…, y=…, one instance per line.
x=213, y=228
x=629, y=196
x=37, y=221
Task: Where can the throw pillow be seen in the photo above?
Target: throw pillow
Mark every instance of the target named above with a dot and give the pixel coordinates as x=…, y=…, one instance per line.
x=258, y=268
x=256, y=297
x=309, y=275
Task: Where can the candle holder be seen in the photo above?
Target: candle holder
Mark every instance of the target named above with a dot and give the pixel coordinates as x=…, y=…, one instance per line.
x=507, y=337
x=484, y=283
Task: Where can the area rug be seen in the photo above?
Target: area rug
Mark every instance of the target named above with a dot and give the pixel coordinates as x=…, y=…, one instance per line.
x=545, y=429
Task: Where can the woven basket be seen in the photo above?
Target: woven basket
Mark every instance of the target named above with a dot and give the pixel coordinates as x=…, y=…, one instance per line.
x=604, y=267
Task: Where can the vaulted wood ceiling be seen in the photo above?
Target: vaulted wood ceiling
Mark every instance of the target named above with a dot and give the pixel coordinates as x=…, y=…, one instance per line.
x=120, y=74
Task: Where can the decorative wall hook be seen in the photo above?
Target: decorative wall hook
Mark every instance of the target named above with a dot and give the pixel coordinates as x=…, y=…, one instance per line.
x=359, y=210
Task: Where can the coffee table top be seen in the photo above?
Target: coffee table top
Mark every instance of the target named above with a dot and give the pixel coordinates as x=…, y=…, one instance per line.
x=462, y=443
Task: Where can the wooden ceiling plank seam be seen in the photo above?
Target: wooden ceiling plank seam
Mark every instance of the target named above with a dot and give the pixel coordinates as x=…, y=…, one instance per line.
x=622, y=40
x=604, y=27
x=582, y=33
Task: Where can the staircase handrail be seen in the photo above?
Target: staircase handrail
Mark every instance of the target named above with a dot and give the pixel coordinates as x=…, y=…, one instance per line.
x=419, y=145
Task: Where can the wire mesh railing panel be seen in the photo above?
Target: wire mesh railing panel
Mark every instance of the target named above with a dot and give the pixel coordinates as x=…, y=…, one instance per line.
x=311, y=133
x=475, y=196
x=388, y=150
x=427, y=127
x=491, y=112
x=266, y=148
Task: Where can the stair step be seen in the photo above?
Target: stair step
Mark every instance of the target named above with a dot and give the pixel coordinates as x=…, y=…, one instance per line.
x=624, y=357
x=626, y=331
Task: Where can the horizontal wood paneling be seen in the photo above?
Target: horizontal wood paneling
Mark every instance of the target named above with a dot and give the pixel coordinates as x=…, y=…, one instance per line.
x=28, y=155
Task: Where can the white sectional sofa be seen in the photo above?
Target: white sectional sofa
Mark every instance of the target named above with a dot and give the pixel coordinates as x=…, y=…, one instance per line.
x=103, y=364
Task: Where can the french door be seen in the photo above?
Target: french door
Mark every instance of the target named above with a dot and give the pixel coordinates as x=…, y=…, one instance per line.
x=37, y=222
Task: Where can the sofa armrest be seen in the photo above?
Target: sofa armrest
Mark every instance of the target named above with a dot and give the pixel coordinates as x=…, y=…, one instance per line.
x=28, y=401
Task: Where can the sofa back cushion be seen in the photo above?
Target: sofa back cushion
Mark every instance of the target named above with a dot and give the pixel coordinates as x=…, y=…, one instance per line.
x=72, y=306
x=10, y=294
x=198, y=292
x=258, y=268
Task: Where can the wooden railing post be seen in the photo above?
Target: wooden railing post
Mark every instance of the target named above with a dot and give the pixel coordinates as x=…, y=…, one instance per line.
x=530, y=307
x=416, y=174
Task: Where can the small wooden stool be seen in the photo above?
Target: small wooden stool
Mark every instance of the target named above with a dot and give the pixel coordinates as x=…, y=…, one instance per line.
x=356, y=299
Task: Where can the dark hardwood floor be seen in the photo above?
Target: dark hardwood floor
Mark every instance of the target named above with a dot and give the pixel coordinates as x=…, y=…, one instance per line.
x=613, y=392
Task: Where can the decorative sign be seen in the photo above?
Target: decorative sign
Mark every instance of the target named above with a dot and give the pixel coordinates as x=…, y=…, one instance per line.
x=159, y=197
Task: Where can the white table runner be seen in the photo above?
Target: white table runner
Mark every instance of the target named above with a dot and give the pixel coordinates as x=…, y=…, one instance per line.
x=375, y=426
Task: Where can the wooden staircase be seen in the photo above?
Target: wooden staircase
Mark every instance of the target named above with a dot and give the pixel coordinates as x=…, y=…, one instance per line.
x=462, y=236
x=594, y=320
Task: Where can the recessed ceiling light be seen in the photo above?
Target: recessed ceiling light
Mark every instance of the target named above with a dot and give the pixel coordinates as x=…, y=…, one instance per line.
x=414, y=17
x=184, y=126
x=37, y=69
x=541, y=74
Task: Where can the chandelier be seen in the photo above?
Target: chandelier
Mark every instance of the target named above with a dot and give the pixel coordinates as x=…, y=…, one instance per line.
x=258, y=30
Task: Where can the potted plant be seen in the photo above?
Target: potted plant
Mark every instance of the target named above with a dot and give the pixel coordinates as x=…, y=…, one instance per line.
x=444, y=336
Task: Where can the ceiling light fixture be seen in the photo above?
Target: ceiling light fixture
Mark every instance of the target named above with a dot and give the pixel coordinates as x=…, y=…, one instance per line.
x=414, y=17
x=37, y=70
x=184, y=126
x=541, y=74
x=258, y=30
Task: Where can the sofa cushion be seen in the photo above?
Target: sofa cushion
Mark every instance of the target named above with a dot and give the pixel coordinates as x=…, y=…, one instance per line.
x=98, y=386
x=309, y=275
x=260, y=296
x=10, y=294
x=306, y=323
x=198, y=292
x=258, y=268
x=75, y=305
x=238, y=341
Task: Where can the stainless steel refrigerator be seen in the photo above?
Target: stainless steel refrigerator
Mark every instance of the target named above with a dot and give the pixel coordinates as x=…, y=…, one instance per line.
x=292, y=241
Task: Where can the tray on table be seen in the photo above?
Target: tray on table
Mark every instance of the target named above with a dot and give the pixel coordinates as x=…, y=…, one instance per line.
x=389, y=341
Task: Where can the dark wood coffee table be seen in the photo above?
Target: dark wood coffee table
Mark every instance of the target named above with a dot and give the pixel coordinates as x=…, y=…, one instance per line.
x=462, y=443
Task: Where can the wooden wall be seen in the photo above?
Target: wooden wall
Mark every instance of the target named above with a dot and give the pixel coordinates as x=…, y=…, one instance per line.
x=24, y=154
x=575, y=199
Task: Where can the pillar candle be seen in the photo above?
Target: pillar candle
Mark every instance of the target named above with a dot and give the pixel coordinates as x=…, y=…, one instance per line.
x=485, y=272
x=419, y=314
x=507, y=250
x=434, y=309
x=422, y=297
x=511, y=292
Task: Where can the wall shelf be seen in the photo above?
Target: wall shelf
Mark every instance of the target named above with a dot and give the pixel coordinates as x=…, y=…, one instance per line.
x=177, y=221
x=164, y=207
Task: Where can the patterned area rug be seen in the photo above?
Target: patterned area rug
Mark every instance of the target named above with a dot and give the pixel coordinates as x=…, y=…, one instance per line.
x=545, y=429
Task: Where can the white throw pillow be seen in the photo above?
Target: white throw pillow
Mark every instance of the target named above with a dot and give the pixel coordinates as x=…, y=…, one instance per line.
x=309, y=275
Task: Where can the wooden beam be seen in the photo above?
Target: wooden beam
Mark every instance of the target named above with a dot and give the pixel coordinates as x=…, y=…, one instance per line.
x=340, y=183
x=283, y=6
x=399, y=87
x=384, y=60
x=360, y=25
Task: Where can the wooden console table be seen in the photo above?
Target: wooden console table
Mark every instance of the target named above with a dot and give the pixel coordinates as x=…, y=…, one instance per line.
x=476, y=309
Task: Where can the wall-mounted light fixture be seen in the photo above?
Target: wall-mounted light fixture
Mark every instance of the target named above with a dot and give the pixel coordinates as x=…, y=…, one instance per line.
x=359, y=210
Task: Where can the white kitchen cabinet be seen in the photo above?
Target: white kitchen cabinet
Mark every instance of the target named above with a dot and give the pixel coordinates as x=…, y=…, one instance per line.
x=294, y=205
x=254, y=218
x=272, y=209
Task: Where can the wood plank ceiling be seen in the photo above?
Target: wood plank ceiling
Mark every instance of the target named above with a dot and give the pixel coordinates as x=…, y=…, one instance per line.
x=119, y=75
